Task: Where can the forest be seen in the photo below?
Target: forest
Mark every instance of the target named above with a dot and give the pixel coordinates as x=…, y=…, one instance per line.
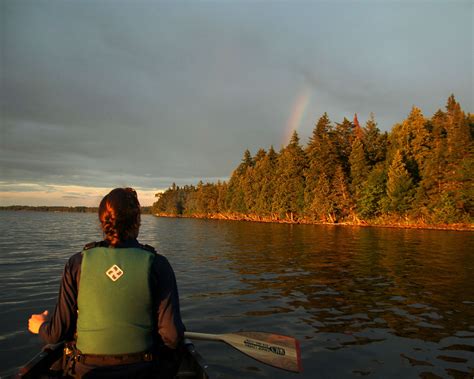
x=419, y=173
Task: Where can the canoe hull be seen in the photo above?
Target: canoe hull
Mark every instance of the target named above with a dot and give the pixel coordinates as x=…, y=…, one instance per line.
x=48, y=364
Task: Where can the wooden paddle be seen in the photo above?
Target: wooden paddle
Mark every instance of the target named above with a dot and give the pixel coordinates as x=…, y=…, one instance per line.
x=272, y=349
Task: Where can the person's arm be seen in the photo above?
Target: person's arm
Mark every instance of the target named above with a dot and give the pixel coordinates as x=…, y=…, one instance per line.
x=170, y=325
x=62, y=324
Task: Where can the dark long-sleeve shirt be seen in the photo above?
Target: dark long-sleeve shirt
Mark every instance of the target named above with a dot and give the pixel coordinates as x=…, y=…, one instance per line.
x=163, y=287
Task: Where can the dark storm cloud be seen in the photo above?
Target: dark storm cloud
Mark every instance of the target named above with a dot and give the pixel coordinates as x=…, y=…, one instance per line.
x=119, y=89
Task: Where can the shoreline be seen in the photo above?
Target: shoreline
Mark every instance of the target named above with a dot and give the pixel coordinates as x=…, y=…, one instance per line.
x=61, y=208
x=400, y=224
x=365, y=224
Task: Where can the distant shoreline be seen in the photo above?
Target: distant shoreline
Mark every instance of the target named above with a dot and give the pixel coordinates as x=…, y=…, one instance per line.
x=397, y=225
x=250, y=218
x=58, y=208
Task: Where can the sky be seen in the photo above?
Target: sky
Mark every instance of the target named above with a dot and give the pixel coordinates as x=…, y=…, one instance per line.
x=103, y=94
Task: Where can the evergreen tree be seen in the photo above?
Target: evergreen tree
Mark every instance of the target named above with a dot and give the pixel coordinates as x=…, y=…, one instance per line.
x=373, y=193
x=399, y=186
x=358, y=132
x=322, y=207
x=169, y=202
x=419, y=146
x=433, y=167
x=289, y=192
x=206, y=199
x=375, y=143
x=460, y=156
x=411, y=138
x=340, y=196
x=264, y=181
x=201, y=203
x=252, y=182
x=222, y=196
x=191, y=204
x=358, y=167
x=343, y=136
x=446, y=210
x=235, y=192
x=321, y=151
x=247, y=161
x=322, y=158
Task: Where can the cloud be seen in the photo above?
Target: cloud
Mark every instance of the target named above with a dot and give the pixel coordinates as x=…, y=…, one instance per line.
x=150, y=93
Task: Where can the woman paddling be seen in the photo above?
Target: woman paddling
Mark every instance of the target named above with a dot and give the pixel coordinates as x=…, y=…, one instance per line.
x=118, y=302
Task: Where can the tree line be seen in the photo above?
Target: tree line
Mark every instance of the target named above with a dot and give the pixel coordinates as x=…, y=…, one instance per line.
x=420, y=172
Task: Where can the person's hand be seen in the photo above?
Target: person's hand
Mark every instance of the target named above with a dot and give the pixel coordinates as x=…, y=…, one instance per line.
x=35, y=322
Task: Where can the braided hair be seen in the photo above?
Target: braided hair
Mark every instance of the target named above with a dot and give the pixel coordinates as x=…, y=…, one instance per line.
x=119, y=215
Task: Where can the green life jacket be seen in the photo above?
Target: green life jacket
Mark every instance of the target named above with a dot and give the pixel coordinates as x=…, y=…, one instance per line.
x=114, y=301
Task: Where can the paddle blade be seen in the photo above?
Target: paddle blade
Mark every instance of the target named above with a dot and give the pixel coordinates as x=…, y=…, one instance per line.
x=272, y=349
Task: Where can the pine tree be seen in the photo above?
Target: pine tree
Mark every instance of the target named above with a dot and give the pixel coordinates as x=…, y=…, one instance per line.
x=207, y=198
x=460, y=157
x=264, y=181
x=459, y=139
x=221, y=196
x=169, y=202
x=235, y=192
x=322, y=207
x=358, y=132
x=433, y=167
x=340, y=196
x=375, y=143
x=252, y=183
x=322, y=158
x=420, y=146
x=289, y=192
x=358, y=167
x=399, y=186
x=191, y=197
x=373, y=193
x=343, y=136
x=411, y=137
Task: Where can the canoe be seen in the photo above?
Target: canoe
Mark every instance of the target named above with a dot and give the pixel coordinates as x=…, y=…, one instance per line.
x=192, y=365
x=47, y=364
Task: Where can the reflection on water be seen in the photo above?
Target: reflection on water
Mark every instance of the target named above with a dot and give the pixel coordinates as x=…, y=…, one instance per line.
x=363, y=301
x=366, y=293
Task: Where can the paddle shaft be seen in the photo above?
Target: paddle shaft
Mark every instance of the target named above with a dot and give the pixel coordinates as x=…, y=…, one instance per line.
x=203, y=336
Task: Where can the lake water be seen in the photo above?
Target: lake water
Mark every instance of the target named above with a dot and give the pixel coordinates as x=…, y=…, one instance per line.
x=364, y=302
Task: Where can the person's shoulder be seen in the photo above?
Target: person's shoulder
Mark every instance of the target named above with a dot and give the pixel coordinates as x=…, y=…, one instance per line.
x=161, y=259
x=74, y=262
x=76, y=259
x=148, y=248
x=160, y=262
x=91, y=245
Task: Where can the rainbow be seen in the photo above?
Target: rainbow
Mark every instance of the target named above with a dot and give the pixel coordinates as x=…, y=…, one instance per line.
x=298, y=111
